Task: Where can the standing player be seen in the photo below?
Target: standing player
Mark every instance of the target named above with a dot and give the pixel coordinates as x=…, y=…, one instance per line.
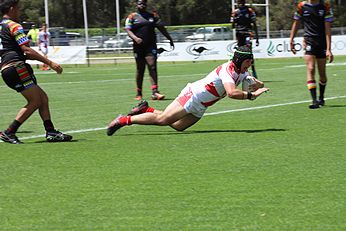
x=140, y=26
x=317, y=17
x=18, y=75
x=189, y=107
x=43, y=43
x=243, y=19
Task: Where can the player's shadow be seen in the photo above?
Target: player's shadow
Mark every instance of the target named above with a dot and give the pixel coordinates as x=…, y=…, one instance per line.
x=46, y=142
x=273, y=81
x=238, y=130
x=24, y=132
x=336, y=106
x=208, y=132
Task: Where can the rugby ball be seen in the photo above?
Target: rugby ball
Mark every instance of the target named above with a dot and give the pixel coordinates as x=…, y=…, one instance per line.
x=247, y=82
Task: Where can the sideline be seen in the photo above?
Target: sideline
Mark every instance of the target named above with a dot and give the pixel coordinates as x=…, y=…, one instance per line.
x=206, y=114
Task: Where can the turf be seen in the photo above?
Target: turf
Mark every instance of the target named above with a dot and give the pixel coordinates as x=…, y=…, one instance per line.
x=278, y=167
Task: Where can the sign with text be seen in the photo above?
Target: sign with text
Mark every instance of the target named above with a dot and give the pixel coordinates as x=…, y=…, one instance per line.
x=222, y=50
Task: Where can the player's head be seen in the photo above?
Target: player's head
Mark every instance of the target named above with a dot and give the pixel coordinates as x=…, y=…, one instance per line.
x=44, y=27
x=141, y=4
x=240, y=2
x=7, y=5
x=240, y=55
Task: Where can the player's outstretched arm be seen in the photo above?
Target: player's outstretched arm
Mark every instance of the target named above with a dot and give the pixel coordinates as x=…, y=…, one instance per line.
x=234, y=93
x=34, y=55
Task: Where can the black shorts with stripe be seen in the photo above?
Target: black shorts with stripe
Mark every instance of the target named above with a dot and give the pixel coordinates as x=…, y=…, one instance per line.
x=315, y=46
x=244, y=39
x=142, y=52
x=19, y=76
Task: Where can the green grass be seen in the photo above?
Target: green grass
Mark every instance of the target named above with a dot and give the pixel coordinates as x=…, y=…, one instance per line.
x=276, y=168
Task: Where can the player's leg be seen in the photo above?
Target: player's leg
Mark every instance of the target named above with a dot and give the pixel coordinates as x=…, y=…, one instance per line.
x=254, y=73
x=241, y=39
x=321, y=65
x=140, y=68
x=33, y=102
x=171, y=114
x=185, y=122
x=151, y=60
x=310, y=62
x=143, y=107
x=52, y=135
x=19, y=76
x=249, y=43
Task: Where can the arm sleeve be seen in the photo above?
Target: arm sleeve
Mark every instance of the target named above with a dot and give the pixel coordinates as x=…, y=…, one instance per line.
x=18, y=34
x=329, y=13
x=299, y=11
x=252, y=15
x=129, y=21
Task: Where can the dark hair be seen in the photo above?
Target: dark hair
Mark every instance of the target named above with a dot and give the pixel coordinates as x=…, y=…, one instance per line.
x=5, y=5
x=242, y=53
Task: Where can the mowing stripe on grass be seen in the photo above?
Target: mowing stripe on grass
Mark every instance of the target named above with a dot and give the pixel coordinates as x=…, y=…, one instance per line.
x=206, y=114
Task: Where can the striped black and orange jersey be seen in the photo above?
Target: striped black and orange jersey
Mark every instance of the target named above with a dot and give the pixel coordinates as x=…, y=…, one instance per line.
x=243, y=17
x=313, y=17
x=12, y=37
x=143, y=25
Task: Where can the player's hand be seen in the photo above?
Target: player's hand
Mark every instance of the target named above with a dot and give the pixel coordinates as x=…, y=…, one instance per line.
x=138, y=40
x=172, y=44
x=292, y=47
x=258, y=84
x=329, y=56
x=260, y=91
x=56, y=67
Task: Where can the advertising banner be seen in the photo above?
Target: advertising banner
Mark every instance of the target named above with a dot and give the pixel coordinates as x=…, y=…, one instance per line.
x=64, y=54
x=222, y=50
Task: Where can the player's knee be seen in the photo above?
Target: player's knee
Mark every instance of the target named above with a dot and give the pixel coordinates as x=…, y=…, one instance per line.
x=35, y=103
x=152, y=68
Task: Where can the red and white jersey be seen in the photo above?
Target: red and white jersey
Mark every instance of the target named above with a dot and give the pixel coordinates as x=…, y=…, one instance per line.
x=44, y=36
x=210, y=89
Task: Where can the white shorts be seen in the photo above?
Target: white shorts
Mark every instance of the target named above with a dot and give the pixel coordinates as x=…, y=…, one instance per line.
x=190, y=102
x=44, y=49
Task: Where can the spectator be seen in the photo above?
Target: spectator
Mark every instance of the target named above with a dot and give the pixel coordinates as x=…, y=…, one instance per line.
x=33, y=35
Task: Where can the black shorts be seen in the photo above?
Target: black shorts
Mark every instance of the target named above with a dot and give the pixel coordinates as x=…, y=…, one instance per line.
x=316, y=47
x=142, y=52
x=244, y=39
x=19, y=77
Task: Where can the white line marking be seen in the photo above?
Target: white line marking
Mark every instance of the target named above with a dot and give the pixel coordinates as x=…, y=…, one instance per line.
x=268, y=106
x=206, y=114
